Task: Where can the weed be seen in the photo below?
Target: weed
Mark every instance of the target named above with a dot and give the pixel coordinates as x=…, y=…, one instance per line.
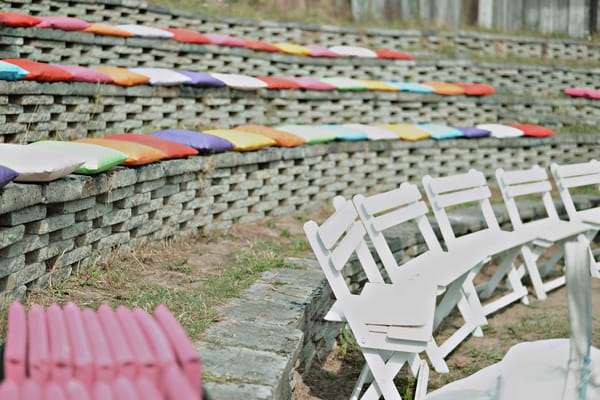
x=285, y=233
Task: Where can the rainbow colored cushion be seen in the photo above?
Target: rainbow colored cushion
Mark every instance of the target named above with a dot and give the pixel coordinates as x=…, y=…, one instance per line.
x=96, y=158
x=200, y=141
x=282, y=138
x=170, y=148
x=7, y=175
x=533, y=130
x=309, y=133
x=407, y=131
x=35, y=164
x=242, y=141
x=137, y=154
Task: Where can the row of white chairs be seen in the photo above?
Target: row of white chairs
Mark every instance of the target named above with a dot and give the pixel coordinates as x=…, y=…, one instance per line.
x=394, y=315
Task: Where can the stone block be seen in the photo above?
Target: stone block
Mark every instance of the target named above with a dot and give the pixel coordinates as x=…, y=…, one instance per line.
x=51, y=224
x=25, y=245
x=19, y=196
x=10, y=265
x=11, y=235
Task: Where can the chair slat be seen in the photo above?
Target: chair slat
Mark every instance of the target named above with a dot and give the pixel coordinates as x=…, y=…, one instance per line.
x=581, y=180
x=331, y=230
x=529, y=188
x=464, y=196
x=590, y=167
x=529, y=175
x=457, y=182
x=405, y=194
x=341, y=254
x=399, y=216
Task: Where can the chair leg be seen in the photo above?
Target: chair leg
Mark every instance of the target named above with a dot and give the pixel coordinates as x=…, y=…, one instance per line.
x=422, y=380
x=365, y=375
x=436, y=358
x=384, y=374
x=534, y=273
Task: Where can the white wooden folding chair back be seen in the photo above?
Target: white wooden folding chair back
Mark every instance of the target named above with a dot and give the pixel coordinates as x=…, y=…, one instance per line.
x=571, y=176
x=548, y=231
x=392, y=323
x=468, y=188
x=396, y=207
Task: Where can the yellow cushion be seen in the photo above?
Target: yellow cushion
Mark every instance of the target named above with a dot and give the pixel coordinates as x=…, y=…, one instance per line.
x=137, y=154
x=242, y=141
x=291, y=48
x=447, y=89
x=123, y=76
x=282, y=138
x=378, y=85
x=406, y=131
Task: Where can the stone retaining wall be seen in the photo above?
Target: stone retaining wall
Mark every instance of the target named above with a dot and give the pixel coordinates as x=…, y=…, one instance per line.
x=57, y=46
x=135, y=11
x=32, y=111
x=49, y=229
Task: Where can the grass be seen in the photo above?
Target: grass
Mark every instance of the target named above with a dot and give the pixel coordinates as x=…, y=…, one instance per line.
x=167, y=274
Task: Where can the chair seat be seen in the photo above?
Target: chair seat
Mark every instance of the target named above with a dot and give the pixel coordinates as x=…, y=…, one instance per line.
x=487, y=243
x=554, y=230
x=442, y=266
x=590, y=216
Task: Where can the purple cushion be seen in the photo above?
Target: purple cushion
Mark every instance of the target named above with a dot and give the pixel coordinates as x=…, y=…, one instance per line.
x=201, y=79
x=7, y=175
x=472, y=132
x=84, y=74
x=198, y=140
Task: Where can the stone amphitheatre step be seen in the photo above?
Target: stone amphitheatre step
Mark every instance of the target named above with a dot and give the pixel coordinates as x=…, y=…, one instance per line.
x=57, y=46
x=464, y=42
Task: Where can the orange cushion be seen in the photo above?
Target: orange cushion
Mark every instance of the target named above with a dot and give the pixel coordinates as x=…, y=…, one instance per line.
x=393, y=54
x=261, y=46
x=445, y=88
x=187, y=35
x=41, y=72
x=123, y=76
x=278, y=83
x=18, y=19
x=103, y=29
x=476, y=89
x=137, y=154
x=282, y=138
x=533, y=130
x=171, y=149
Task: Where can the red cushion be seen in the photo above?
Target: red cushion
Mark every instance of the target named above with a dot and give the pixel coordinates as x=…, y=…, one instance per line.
x=533, y=130
x=576, y=92
x=394, y=54
x=187, y=36
x=40, y=71
x=261, y=46
x=18, y=19
x=476, y=89
x=171, y=149
x=278, y=83
x=64, y=23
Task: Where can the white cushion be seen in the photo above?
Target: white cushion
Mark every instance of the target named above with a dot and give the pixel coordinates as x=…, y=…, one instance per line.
x=353, y=51
x=501, y=131
x=146, y=31
x=37, y=164
x=243, y=82
x=97, y=158
x=162, y=76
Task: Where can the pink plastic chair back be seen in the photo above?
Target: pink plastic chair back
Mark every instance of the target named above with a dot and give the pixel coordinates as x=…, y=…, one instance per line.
x=142, y=352
x=147, y=390
x=80, y=347
x=9, y=390
x=159, y=343
x=123, y=389
x=31, y=390
x=102, y=391
x=16, y=343
x=186, y=353
x=54, y=392
x=61, y=368
x=118, y=343
x=37, y=345
x=177, y=385
x=76, y=390
x=104, y=364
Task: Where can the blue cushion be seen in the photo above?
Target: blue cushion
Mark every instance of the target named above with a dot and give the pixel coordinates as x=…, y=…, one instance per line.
x=441, y=131
x=200, y=141
x=7, y=175
x=345, y=133
x=412, y=87
x=11, y=72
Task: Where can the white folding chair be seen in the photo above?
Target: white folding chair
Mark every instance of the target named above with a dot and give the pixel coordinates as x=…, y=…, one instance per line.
x=571, y=176
x=468, y=188
x=453, y=272
x=392, y=323
x=548, y=231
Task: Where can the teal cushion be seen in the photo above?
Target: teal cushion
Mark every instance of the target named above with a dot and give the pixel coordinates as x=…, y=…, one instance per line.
x=11, y=72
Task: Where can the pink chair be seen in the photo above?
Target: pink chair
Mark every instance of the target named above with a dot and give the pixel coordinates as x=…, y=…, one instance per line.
x=124, y=360
x=177, y=385
x=147, y=390
x=31, y=390
x=102, y=391
x=187, y=355
x=76, y=390
x=124, y=390
x=54, y=392
x=81, y=352
x=61, y=368
x=9, y=390
x=142, y=352
x=38, y=350
x=16, y=343
x=104, y=364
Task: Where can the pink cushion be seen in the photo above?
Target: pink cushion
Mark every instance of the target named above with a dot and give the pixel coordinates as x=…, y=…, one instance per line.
x=576, y=92
x=224, y=40
x=84, y=74
x=311, y=83
x=321, y=51
x=64, y=23
x=593, y=94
